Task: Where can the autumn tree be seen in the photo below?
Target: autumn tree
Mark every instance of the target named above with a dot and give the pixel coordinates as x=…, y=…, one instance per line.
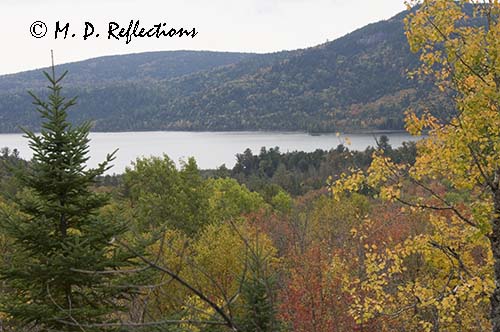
x=223, y=277
x=459, y=43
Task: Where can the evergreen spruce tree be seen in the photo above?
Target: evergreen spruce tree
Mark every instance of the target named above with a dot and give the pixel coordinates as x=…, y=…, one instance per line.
x=259, y=314
x=56, y=231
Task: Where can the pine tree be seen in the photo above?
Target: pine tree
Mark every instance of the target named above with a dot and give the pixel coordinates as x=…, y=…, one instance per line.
x=259, y=314
x=57, y=232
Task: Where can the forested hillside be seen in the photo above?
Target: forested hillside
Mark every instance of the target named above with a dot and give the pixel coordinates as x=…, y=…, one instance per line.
x=149, y=66
x=359, y=81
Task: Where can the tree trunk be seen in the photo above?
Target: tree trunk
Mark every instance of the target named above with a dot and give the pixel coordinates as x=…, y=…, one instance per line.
x=495, y=247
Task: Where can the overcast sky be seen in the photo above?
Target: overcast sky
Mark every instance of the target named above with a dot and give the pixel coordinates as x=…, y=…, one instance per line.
x=222, y=25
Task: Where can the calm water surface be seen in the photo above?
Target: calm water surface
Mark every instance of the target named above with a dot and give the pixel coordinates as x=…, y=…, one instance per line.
x=211, y=149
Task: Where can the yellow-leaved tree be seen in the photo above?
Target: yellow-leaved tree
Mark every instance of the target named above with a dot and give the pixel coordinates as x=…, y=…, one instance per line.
x=456, y=175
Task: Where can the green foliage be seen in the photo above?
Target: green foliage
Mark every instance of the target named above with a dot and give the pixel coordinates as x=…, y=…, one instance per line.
x=9, y=162
x=160, y=195
x=298, y=172
x=229, y=199
x=55, y=229
x=259, y=314
x=282, y=202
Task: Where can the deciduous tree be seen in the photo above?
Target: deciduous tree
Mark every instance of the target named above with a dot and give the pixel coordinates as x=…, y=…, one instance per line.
x=459, y=43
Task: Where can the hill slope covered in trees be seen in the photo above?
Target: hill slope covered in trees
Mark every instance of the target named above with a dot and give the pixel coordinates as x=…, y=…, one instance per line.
x=356, y=82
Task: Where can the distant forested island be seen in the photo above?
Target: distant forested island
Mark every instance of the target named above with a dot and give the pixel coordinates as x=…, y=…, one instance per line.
x=359, y=81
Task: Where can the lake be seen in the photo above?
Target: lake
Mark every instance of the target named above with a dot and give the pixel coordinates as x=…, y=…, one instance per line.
x=211, y=149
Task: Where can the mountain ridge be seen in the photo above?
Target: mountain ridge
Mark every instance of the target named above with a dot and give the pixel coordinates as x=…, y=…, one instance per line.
x=356, y=82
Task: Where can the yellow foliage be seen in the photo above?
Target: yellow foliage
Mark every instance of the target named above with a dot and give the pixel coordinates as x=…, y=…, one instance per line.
x=215, y=263
x=456, y=173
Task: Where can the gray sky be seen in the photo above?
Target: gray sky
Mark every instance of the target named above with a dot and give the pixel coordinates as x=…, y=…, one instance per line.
x=222, y=25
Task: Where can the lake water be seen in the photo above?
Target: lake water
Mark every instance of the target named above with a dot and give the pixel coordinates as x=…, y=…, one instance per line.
x=211, y=149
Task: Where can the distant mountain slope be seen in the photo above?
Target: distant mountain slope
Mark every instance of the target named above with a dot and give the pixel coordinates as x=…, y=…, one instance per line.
x=356, y=82
x=126, y=68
